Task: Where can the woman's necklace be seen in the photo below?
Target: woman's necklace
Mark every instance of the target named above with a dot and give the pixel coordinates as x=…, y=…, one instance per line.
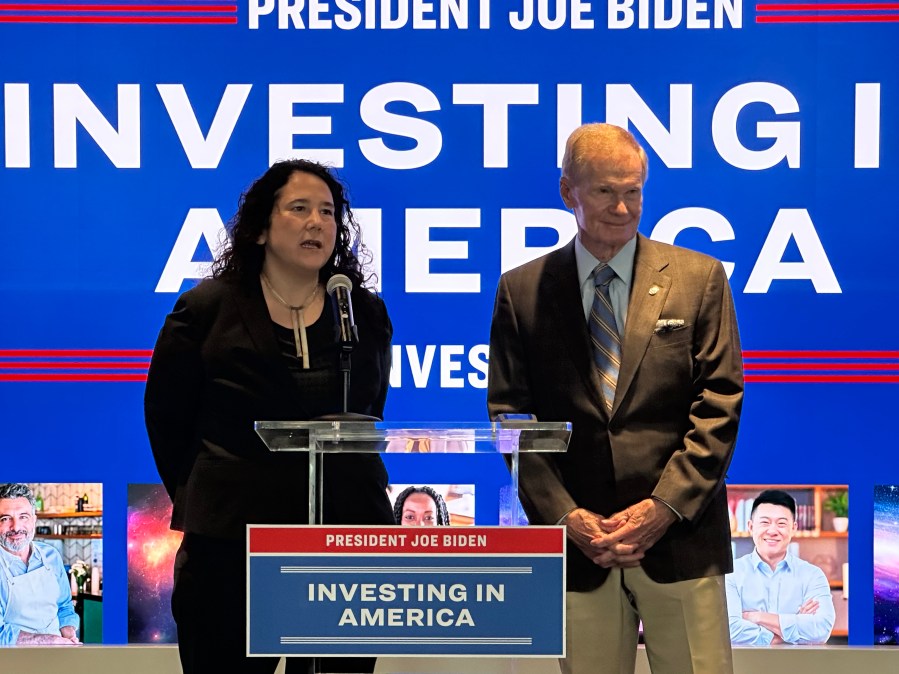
x=296, y=317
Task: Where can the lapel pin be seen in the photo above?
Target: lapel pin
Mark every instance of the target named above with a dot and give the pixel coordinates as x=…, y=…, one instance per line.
x=654, y=290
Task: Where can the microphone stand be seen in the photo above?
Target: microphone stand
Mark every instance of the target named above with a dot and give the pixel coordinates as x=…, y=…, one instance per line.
x=339, y=288
x=347, y=342
x=345, y=365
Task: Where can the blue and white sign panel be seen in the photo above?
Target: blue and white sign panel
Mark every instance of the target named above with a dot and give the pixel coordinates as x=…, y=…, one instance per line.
x=321, y=591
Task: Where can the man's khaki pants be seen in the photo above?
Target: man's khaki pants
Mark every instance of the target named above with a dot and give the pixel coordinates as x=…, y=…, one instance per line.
x=685, y=626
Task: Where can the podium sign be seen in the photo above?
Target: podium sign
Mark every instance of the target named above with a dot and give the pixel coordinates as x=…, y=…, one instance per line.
x=379, y=591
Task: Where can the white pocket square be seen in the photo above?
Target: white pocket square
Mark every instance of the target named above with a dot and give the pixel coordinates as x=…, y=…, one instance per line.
x=668, y=325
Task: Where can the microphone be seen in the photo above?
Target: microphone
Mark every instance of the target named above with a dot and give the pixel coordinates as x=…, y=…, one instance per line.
x=339, y=287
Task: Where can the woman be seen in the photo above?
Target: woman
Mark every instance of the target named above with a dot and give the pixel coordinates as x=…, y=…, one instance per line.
x=420, y=507
x=256, y=342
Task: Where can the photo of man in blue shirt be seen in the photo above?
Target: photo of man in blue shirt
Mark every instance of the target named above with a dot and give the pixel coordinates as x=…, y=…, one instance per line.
x=35, y=595
x=773, y=597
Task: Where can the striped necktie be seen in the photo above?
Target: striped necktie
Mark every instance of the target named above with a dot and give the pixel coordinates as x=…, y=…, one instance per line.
x=604, y=333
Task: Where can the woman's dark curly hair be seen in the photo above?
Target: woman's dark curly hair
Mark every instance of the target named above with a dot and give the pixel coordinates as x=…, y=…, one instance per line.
x=242, y=257
x=443, y=518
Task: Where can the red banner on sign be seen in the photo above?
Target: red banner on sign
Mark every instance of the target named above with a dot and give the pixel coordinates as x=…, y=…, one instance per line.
x=341, y=540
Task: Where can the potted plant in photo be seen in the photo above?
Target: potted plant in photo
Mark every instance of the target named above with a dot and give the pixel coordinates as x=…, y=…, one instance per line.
x=837, y=503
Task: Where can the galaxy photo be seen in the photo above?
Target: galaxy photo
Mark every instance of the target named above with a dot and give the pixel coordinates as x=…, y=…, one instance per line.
x=151, y=556
x=886, y=564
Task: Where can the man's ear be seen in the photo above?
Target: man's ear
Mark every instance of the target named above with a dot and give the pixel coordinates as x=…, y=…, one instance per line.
x=262, y=237
x=565, y=191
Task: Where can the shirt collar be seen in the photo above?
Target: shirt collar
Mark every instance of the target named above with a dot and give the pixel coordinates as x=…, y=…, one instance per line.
x=622, y=264
x=787, y=562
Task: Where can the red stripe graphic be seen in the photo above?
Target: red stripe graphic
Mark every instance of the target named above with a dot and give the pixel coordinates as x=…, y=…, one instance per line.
x=818, y=355
x=821, y=379
x=806, y=12
x=762, y=366
x=74, y=365
x=176, y=13
x=73, y=377
x=121, y=19
x=827, y=6
x=848, y=12
x=864, y=18
x=821, y=367
x=117, y=8
x=76, y=353
x=860, y=367
x=87, y=365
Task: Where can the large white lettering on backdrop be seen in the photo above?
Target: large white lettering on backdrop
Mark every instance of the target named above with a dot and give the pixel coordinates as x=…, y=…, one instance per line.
x=203, y=227
x=624, y=106
x=120, y=143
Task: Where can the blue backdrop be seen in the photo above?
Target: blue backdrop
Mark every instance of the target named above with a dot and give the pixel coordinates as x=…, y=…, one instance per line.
x=130, y=130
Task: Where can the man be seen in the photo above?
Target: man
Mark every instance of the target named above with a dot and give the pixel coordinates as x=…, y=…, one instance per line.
x=646, y=364
x=773, y=597
x=35, y=595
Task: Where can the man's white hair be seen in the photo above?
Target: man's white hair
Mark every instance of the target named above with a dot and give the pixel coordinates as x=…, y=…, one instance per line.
x=588, y=139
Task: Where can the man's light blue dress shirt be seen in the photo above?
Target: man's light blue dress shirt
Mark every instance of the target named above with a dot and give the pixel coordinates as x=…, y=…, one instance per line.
x=753, y=586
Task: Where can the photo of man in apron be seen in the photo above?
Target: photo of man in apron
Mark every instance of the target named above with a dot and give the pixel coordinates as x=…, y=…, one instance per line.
x=35, y=595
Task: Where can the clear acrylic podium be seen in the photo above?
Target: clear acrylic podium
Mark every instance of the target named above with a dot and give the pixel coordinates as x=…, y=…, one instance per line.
x=508, y=438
